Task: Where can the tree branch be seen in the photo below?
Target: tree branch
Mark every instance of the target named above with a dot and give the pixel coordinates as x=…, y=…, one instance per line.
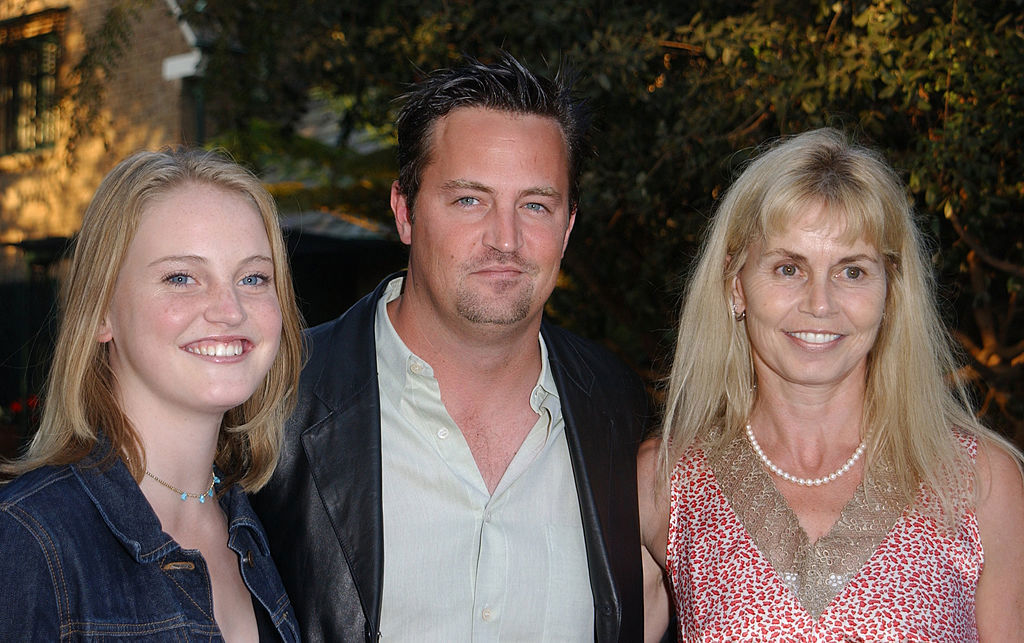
x=983, y=254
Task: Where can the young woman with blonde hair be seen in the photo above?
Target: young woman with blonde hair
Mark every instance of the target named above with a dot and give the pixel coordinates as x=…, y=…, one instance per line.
x=175, y=366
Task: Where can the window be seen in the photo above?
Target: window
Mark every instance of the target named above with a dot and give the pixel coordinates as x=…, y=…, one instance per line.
x=29, y=54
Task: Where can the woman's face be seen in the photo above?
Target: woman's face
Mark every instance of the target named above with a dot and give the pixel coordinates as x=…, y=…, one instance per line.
x=813, y=302
x=194, y=324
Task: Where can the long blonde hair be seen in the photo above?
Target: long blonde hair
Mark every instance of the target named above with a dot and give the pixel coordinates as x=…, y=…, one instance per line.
x=80, y=400
x=914, y=402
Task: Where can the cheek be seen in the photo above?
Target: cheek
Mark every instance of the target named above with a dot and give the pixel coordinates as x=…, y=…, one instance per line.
x=871, y=309
x=144, y=317
x=266, y=312
x=768, y=303
x=547, y=240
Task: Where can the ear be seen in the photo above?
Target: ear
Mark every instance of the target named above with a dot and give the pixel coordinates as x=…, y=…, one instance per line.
x=568, y=230
x=739, y=301
x=104, y=333
x=403, y=217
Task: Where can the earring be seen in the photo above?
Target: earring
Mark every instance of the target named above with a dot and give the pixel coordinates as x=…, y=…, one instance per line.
x=738, y=316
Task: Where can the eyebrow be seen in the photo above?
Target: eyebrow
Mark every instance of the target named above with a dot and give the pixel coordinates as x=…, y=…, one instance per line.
x=782, y=252
x=203, y=260
x=465, y=184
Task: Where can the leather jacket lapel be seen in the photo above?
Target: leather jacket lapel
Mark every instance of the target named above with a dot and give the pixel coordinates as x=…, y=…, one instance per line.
x=589, y=452
x=343, y=450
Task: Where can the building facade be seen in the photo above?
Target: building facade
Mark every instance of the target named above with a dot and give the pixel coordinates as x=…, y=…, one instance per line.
x=83, y=83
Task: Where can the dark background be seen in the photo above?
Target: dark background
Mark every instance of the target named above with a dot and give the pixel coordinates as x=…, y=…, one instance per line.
x=683, y=93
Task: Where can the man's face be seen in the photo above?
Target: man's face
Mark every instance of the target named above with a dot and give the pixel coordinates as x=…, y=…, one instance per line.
x=492, y=218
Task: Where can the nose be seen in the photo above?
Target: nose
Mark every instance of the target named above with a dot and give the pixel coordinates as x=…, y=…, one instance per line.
x=503, y=231
x=820, y=298
x=225, y=306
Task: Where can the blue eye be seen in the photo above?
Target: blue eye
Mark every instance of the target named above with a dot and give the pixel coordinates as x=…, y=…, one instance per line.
x=179, y=279
x=853, y=272
x=787, y=270
x=254, y=280
x=536, y=207
x=467, y=201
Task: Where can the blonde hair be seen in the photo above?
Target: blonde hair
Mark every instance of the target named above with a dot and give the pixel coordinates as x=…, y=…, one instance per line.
x=914, y=401
x=80, y=399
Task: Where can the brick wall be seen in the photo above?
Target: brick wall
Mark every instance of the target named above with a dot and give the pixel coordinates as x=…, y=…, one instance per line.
x=43, y=194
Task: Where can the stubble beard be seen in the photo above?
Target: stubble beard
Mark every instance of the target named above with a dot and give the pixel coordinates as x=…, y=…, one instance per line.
x=499, y=310
x=507, y=303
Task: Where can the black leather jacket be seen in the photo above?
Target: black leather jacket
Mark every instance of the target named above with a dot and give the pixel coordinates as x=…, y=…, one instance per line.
x=322, y=509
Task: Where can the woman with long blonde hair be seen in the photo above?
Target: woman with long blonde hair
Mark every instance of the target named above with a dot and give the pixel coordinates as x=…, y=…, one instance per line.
x=821, y=474
x=175, y=367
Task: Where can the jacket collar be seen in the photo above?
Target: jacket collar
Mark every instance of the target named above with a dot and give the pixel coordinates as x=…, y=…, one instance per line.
x=128, y=514
x=120, y=502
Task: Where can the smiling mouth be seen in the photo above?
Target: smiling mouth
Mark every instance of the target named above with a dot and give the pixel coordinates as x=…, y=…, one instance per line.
x=217, y=349
x=815, y=338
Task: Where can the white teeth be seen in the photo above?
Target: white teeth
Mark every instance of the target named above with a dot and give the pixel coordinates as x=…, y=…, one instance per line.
x=230, y=349
x=816, y=338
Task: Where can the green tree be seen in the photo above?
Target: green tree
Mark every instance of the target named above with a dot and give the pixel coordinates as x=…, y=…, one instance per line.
x=684, y=95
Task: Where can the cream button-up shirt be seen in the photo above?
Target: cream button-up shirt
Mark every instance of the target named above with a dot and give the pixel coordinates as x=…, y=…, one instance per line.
x=460, y=563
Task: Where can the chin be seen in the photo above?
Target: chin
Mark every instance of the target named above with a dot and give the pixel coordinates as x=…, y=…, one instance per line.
x=224, y=401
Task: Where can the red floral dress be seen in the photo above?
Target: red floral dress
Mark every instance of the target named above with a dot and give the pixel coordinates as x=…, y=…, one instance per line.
x=742, y=569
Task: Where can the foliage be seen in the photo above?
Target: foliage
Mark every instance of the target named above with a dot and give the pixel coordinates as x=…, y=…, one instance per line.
x=685, y=92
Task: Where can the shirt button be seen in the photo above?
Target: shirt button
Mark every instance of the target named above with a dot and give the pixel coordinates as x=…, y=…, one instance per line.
x=442, y=433
x=487, y=517
x=416, y=368
x=248, y=559
x=487, y=614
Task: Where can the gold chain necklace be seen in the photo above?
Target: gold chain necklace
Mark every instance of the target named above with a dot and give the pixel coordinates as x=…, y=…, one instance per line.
x=201, y=497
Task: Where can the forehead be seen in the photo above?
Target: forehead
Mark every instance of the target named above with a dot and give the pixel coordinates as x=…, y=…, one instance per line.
x=199, y=218
x=821, y=223
x=493, y=140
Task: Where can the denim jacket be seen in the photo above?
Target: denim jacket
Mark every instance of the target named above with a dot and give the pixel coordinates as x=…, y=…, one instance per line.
x=83, y=558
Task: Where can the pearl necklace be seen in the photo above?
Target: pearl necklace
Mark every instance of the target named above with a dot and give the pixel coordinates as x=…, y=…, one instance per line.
x=806, y=482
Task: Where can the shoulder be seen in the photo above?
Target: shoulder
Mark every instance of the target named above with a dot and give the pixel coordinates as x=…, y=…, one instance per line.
x=1000, y=515
x=40, y=503
x=35, y=511
x=37, y=488
x=1000, y=482
x=340, y=347
x=587, y=373
x=574, y=353
x=332, y=337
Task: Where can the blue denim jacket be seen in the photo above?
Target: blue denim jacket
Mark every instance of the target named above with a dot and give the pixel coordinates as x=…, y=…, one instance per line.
x=82, y=558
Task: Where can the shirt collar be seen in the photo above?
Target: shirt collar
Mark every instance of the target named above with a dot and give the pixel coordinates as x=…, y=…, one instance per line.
x=393, y=356
x=545, y=393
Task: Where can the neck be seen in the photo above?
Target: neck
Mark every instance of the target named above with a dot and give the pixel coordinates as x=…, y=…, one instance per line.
x=183, y=460
x=808, y=420
x=179, y=448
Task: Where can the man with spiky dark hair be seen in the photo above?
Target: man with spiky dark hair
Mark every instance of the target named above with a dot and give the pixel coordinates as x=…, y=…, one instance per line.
x=457, y=468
